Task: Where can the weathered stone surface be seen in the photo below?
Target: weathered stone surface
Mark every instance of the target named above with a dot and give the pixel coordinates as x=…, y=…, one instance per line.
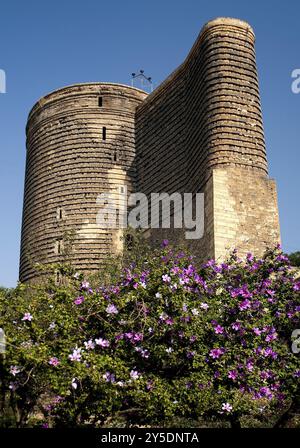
x=69, y=165
x=201, y=130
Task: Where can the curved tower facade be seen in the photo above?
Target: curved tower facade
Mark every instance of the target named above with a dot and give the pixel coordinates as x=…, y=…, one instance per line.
x=200, y=131
x=80, y=143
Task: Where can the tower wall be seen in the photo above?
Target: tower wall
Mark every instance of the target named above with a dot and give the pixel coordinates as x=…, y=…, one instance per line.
x=203, y=123
x=68, y=165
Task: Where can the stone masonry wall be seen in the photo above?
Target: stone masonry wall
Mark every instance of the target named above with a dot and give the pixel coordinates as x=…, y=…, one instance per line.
x=69, y=163
x=205, y=117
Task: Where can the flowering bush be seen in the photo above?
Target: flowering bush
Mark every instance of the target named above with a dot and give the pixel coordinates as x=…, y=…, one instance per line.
x=169, y=340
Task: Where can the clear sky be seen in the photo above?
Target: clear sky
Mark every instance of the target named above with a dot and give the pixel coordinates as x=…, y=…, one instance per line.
x=46, y=45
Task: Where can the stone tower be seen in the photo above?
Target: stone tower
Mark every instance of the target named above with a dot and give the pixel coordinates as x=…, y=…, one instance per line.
x=201, y=130
x=80, y=143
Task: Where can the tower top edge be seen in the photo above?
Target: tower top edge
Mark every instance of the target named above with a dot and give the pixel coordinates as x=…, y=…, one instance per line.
x=43, y=99
x=227, y=21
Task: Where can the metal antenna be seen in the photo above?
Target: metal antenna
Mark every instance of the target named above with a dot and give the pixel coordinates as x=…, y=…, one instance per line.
x=144, y=81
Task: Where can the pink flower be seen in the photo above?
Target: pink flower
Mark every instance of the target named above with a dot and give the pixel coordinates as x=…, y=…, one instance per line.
x=27, y=316
x=54, y=361
x=79, y=300
x=218, y=329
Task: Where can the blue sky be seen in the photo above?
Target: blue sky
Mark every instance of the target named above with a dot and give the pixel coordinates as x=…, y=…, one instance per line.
x=46, y=45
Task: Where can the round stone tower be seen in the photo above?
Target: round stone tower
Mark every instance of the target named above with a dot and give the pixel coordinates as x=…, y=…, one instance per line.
x=80, y=144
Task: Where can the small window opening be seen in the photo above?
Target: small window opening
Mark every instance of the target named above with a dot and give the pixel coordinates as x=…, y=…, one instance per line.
x=59, y=247
x=115, y=156
x=57, y=278
x=100, y=101
x=59, y=214
x=104, y=133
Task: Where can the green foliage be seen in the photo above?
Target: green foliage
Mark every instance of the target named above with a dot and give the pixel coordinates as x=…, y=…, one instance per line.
x=295, y=258
x=160, y=342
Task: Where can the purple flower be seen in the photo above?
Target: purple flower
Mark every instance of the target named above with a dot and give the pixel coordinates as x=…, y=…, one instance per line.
x=54, y=361
x=268, y=352
x=250, y=365
x=112, y=309
x=149, y=385
x=296, y=286
x=79, y=300
x=27, y=316
x=257, y=331
x=232, y=374
x=190, y=354
x=244, y=305
x=215, y=353
x=271, y=337
x=297, y=374
x=109, y=377
x=236, y=326
x=165, y=243
x=266, y=392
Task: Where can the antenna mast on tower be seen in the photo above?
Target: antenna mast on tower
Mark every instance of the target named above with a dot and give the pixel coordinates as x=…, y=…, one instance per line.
x=142, y=80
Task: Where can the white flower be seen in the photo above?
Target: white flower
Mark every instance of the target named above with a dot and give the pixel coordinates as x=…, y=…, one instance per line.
x=76, y=355
x=74, y=384
x=195, y=312
x=102, y=342
x=204, y=306
x=27, y=316
x=89, y=345
x=14, y=370
x=226, y=407
x=158, y=295
x=134, y=374
x=169, y=350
